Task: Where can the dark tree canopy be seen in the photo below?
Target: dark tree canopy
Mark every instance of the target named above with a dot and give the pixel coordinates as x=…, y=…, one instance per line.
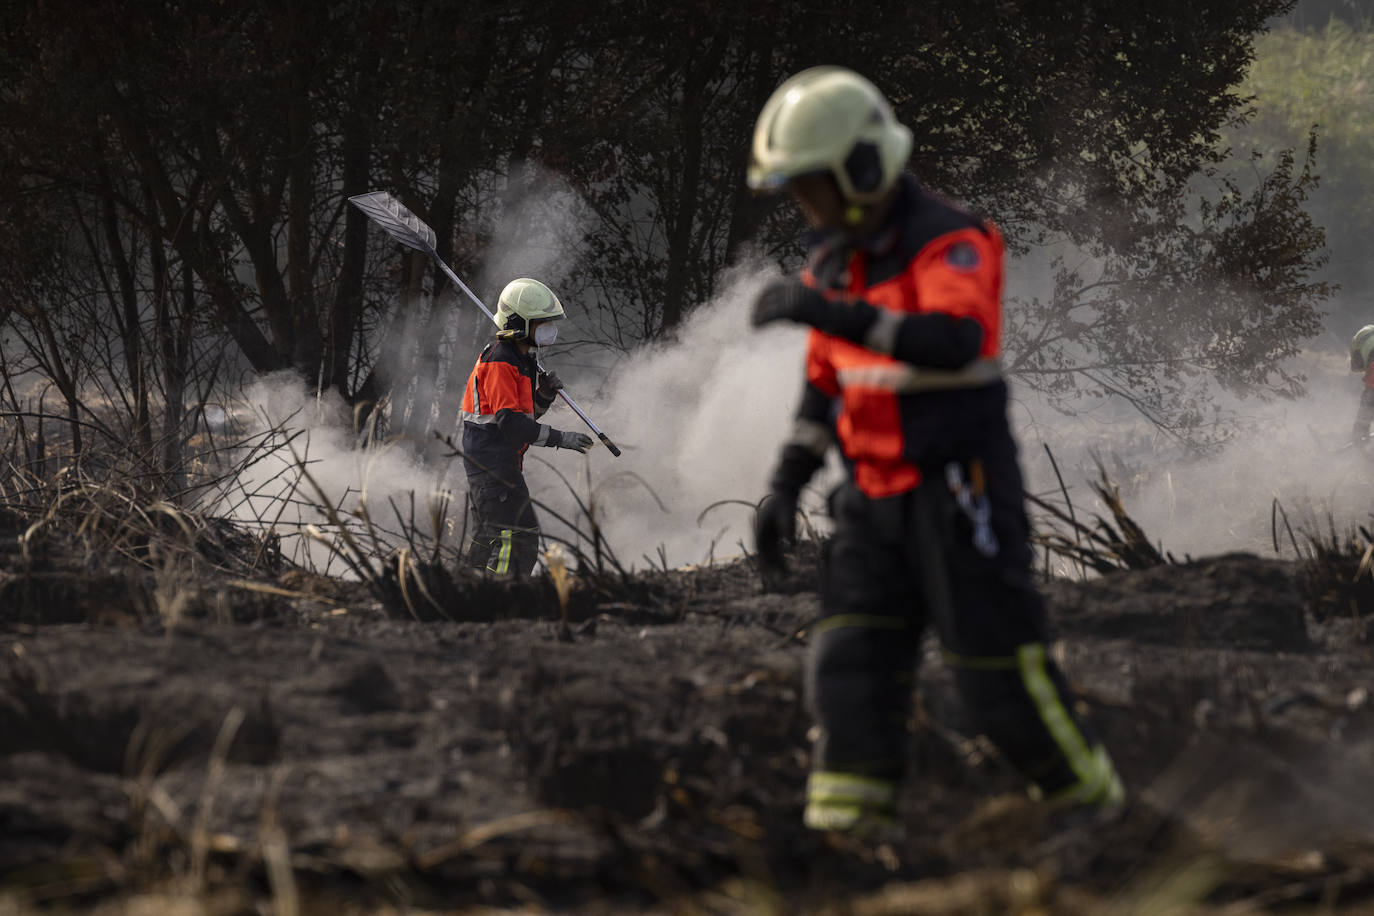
x=175, y=187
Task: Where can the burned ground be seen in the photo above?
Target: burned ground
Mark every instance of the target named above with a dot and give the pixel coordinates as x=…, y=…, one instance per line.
x=289, y=739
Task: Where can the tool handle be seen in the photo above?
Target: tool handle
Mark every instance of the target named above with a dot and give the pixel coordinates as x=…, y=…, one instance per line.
x=588, y=420
x=609, y=444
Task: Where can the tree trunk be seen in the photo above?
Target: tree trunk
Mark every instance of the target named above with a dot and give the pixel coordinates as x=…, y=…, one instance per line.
x=307, y=345
x=688, y=192
x=747, y=210
x=131, y=335
x=195, y=243
x=345, y=314
x=173, y=341
x=419, y=353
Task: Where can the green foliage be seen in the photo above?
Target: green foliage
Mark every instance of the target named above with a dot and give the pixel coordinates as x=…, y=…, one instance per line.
x=1323, y=80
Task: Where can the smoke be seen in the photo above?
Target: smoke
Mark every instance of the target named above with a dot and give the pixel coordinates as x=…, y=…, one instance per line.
x=306, y=457
x=700, y=421
x=701, y=418
x=539, y=234
x=535, y=228
x=1297, y=452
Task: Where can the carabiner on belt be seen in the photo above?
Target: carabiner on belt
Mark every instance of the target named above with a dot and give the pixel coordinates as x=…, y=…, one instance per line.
x=972, y=498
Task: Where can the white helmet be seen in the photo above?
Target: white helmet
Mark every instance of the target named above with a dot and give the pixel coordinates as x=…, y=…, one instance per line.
x=829, y=119
x=1362, y=348
x=522, y=301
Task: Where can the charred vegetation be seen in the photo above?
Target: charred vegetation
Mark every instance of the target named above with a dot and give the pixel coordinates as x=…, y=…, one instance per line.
x=237, y=696
x=635, y=741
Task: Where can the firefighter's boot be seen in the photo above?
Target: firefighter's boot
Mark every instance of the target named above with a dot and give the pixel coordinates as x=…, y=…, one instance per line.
x=862, y=806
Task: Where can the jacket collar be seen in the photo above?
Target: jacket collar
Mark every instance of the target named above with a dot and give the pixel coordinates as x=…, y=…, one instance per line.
x=830, y=250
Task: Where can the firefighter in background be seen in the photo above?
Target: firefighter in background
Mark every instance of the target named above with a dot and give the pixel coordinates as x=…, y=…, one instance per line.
x=903, y=290
x=502, y=403
x=1362, y=360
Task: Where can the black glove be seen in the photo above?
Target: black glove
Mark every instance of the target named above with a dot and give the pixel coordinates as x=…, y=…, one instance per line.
x=789, y=299
x=933, y=339
x=775, y=526
x=562, y=438
x=548, y=384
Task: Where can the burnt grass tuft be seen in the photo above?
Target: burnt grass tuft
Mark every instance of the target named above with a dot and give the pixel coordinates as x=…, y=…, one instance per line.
x=183, y=713
x=1337, y=570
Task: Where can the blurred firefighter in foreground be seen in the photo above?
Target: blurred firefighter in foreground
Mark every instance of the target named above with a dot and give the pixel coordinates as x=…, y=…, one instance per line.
x=1362, y=360
x=505, y=396
x=904, y=292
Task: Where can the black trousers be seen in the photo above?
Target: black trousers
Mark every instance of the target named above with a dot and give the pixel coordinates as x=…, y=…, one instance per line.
x=898, y=564
x=505, y=538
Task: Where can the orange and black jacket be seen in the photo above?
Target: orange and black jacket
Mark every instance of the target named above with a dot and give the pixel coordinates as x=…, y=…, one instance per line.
x=893, y=419
x=500, y=409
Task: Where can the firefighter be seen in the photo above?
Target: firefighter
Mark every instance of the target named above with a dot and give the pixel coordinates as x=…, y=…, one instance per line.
x=903, y=291
x=1361, y=351
x=502, y=403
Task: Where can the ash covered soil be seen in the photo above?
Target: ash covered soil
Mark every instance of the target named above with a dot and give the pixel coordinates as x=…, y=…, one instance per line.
x=287, y=739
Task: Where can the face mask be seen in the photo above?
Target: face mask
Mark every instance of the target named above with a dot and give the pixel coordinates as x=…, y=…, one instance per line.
x=545, y=334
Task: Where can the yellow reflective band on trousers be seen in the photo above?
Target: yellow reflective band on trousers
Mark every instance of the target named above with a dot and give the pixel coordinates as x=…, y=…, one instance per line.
x=503, y=556
x=826, y=786
x=844, y=801
x=1097, y=779
x=1106, y=789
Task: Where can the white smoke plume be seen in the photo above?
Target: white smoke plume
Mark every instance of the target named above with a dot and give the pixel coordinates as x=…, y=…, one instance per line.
x=309, y=459
x=539, y=234
x=1295, y=451
x=705, y=416
x=700, y=421
x=535, y=229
